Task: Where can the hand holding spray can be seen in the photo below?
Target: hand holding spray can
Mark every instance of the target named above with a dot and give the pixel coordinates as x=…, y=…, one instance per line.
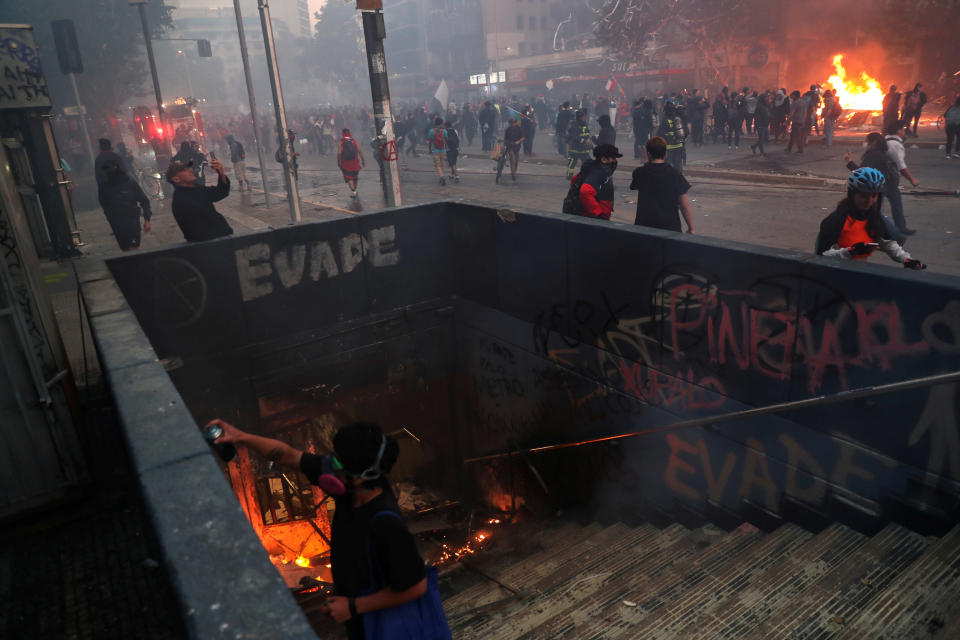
x=226, y=450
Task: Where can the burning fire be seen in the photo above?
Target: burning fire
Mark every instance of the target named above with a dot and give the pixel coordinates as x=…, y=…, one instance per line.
x=448, y=553
x=864, y=94
x=302, y=562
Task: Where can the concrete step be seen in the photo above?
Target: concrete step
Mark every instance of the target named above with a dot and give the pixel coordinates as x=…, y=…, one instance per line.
x=571, y=584
x=775, y=590
x=834, y=600
x=678, y=578
x=672, y=545
x=486, y=591
x=525, y=574
x=709, y=595
x=920, y=601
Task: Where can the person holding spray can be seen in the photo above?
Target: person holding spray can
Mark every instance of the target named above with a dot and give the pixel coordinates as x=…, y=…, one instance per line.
x=380, y=580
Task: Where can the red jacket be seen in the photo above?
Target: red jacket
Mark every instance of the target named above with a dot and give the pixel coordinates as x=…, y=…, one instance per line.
x=596, y=194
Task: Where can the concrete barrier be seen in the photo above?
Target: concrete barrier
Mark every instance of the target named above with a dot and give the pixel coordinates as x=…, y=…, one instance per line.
x=485, y=330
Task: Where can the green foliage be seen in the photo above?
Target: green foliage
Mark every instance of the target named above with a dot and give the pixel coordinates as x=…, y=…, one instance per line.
x=338, y=39
x=111, y=45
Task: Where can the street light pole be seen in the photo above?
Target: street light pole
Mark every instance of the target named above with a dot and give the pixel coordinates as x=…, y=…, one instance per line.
x=153, y=64
x=374, y=32
x=269, y=46
x=253, y=101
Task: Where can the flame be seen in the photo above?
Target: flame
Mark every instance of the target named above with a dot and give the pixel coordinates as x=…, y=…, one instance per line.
x=448, y=553
x=864, y=94
x=302, y=562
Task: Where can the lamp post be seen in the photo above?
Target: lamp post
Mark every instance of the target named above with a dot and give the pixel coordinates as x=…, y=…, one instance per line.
x=153, y=63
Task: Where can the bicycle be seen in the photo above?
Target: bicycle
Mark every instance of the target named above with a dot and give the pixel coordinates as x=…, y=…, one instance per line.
x=500, y=158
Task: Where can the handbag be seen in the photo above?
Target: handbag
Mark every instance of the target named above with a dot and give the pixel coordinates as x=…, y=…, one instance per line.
x=420, y=619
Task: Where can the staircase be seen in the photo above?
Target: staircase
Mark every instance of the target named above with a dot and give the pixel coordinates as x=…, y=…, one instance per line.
x=635, y=583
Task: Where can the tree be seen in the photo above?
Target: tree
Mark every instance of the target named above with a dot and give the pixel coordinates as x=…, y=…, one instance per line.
x=339, y=37
x=111, y=45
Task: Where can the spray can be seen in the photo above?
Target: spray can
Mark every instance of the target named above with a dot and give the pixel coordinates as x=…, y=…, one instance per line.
x=226, y=450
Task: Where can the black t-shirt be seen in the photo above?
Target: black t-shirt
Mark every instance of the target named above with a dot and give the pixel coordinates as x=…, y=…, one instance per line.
x=659, y=187
x=356, y=533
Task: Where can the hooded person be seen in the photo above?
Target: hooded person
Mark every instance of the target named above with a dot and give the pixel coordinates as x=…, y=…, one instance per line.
x=378, y=574
x=122, y=200
x=350, y=160
x=596, y=191
x=855, y=229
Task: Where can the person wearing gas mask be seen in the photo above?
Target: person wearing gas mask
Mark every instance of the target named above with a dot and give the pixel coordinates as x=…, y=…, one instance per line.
x=596, y=190
x=379, y=576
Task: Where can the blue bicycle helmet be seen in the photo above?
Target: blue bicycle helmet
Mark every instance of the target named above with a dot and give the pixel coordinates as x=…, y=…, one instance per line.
x=866, y=180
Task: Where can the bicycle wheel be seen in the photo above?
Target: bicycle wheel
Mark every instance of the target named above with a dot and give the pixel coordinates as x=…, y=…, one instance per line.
x=500, y=162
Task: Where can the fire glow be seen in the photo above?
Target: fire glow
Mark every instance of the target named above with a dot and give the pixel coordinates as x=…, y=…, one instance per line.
x=450, y=554
x=302, y=562
x=864, y=94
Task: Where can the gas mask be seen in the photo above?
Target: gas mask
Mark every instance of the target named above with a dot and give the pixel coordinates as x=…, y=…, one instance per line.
x=330, y=466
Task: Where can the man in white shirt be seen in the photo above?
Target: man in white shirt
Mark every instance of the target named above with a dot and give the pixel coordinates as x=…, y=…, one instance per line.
x=897, y=156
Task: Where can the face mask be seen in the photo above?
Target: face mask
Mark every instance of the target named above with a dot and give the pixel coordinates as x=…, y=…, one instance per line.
x=327, y=481
x=611, y=166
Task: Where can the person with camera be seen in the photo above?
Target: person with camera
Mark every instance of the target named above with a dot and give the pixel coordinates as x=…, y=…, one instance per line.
x=381, y=582
x=193, y=203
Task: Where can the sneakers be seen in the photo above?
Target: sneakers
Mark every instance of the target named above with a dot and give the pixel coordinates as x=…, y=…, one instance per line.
x=513, y=177
x=443, y=182
x=456, y=178
x=353, y=194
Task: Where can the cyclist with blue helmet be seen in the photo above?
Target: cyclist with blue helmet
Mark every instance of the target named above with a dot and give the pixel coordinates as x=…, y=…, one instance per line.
x=855, y=229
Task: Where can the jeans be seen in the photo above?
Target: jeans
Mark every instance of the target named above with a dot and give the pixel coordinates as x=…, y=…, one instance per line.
x=896, y=205
x=828, y=130
x=763, y=136
x=796, y=136
x=733, y=133
x=953, y=137
x=640, y=137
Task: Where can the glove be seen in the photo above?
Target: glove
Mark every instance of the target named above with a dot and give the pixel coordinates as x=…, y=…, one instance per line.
x=914, y=264
x=860, y=249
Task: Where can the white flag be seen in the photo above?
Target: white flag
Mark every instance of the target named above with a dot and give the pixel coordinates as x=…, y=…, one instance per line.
x=442, y=93
x=549, y=84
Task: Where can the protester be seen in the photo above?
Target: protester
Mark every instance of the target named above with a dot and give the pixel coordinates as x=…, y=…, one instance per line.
x=374, y=559
x=437, y=143
x=122, y=200
x=854, y=230
x=106, y=157
x=238, y=158
x=350, y=160
x=453, y=149
x=528, y=123
x=487, y=118
x=897, y=156
x=762, y=121
x=607, y=134
x=193, y=204
x=913, y=103
x=875, y=157
x=468, y=120
x=831, y=111
x=565, y=117
x=512, y=139
x=951, y=118
x=661, y=191
x=596, y=182
x=798, y=122
x=891, y=107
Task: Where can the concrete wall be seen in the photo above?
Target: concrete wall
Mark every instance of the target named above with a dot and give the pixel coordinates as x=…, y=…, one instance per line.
x=485, y=330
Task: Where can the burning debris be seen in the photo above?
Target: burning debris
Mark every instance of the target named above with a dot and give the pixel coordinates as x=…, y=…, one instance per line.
x=863, y=94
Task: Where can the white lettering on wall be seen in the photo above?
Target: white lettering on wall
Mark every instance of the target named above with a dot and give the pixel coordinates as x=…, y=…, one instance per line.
x=258, y=266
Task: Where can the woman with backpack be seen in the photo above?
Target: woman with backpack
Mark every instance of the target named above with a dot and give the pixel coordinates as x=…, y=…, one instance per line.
x=855, y=229
x=951, y=117
x=350, y=160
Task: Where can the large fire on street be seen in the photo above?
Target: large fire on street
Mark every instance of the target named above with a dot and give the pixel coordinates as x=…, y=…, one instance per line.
x=863, y=94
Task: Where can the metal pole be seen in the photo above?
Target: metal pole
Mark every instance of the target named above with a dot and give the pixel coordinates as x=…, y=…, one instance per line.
x=374, y=32
x=83, y=123
x=153, y=72
x=186, y=70
x=253, y=101
x=269, y=47
x=843, y=396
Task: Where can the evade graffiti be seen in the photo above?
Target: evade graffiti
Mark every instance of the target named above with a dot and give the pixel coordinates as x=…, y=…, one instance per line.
x=263, y=269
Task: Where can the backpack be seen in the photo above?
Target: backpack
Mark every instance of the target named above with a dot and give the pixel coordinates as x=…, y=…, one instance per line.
x=835, y=111
x=453, y=140
x=571, y=203
x=349, y=150
x=438, y=143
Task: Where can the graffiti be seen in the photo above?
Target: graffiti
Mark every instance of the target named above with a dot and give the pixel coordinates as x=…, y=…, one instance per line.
x=22, y=300
x=672, y=391
x=574, y=324
x=179, y=291
x=21, y=82
x=260, y=266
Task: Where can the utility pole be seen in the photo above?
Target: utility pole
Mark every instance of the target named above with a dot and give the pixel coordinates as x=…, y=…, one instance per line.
x=374, y=33
x=253, y=101
x=82, y=112
x=153, y=63
x=293, y=194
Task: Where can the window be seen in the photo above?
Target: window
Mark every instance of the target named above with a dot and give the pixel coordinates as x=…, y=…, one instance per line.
x=533, y=23
x=283, y=502
x=543, y=23
x=519, y=23
x=523, y=48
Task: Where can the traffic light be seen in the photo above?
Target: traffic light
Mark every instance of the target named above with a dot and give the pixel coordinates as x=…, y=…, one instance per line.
x=68, y=51
x=203, y=48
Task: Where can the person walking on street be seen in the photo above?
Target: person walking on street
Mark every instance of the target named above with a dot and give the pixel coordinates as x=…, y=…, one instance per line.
x=564, y=121
x=831, y=111
x=528, y=123
x=122, y=200
x=437, y=143
x=350, y=160
x=641, y=119
x=854, y=230
x=798, y=120
x=736, y=107
x=751, y=99
x=578, y=142
x=671, y=130
x=661, y=191
x=607, y=134
x=897, y=156
x=719, y=118
x=596, y=182
x=374, y=559
x=780, y=110
x=697, y=113
x=951, y=118
x=913, y=103
x=106, y=157
x=891, y=107
x=512, y=139
x=875, y=157
x=193, y=204
x=469, y=121
x=453, y=149
x=238, y=159
x=487, y=118
x=762, y=122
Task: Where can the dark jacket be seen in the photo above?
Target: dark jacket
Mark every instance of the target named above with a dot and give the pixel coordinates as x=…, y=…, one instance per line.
x=194, y=212
x=105, y=158
x=596, y=194
x=123, y=197
x=607, y=135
